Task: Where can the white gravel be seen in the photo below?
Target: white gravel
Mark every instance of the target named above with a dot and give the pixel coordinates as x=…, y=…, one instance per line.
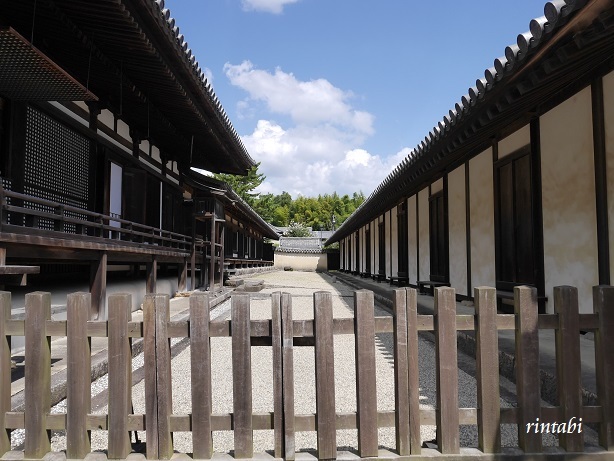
x=302, y=286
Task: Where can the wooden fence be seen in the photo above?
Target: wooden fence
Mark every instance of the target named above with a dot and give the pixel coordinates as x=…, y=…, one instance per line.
x=283, y=333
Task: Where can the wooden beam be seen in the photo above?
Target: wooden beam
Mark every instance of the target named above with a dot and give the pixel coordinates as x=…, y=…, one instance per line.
x=98, y=287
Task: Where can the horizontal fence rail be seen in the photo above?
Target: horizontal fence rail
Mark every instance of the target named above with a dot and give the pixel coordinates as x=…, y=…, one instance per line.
x=283, y=333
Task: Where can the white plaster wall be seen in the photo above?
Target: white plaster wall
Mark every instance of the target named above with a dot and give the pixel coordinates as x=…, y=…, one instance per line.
x=387, y=236
x=301, y=262
x=82, y=105
x=608, y=97
x=155, y=154
x=515, y=141
x=123, y=130
x=457, y=230
x=482, y=220
x=423, y=235
x=106, y=118
x=395, y=242
x=412, y=244
x=437, y=186
x=568, y=195
x=374, y=246
x=144, y=146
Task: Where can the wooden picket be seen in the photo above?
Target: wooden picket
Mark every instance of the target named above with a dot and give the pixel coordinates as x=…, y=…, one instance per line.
x=283, y=333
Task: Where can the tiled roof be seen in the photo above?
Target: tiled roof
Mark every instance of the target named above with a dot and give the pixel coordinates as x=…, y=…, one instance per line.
x=184, y=50
x=299, y=245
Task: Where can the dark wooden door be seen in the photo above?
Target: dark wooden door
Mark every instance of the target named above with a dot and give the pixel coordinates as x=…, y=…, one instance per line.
x=516, y=261
x=368, y=251
x=402, y=237
x=134, y=186
x=438, y=238
x=381, y=234
x=357, y=266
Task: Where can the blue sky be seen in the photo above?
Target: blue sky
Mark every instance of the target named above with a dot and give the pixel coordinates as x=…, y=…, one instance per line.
x=330, y=95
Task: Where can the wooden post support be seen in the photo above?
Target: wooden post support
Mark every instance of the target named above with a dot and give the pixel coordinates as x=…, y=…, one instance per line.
x=527, y=367
x=603, y=303
x=487, y=367
x=366, y=386
x=287, y=335
x=98, y=288
x=120, y=375
x=37, y=375
x=242, y=376
x=163, y=375
x=568, y=362
x=283, y=375
x=278, y=397
x=325, y=375
x=412, y=371
x=158, y=396
x=152, y=275
x=448, y=439
x=182, y=278
x=401, y=386
x=78, y=394
x=151, y=391
x=193, y=268
x=200, y=357
x=5, y=364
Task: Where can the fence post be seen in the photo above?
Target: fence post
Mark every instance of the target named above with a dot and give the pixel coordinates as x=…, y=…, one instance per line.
x=37, y=375
x=487, y=370
x=158, y=395
x=283, y=375
x=120, y=375
x=603, y=299
x=447, y=371
x=78, y=394
x=5, y=364
x=242, y=376
x=200, y=358
x=366, y=389
x=278, y=396
x=401, y=386
x=568, y=362
x=325, y=375
x=527, y=367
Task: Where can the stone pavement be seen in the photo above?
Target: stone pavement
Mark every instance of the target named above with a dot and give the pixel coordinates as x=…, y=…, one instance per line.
x=547, y=350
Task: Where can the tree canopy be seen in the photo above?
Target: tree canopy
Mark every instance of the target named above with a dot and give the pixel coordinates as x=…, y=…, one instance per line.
x=280, y=210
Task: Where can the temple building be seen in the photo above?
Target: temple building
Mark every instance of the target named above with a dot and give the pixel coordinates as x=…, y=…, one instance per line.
x=104, y=111
x=515, y=186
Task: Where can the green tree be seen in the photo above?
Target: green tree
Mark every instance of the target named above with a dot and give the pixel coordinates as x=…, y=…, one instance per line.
x=297, y=229
x=244, y=186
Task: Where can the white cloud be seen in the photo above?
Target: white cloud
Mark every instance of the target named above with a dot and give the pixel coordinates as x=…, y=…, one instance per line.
x=313, y=102
x=268, y=6
x=316, y=147
x=307, y=165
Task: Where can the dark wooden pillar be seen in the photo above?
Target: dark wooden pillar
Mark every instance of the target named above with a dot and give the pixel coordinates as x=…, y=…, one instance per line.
x=96, y=169
x=601, y=183
x=136, y=142
x=152, y=275
x=3, y=136
x=98, y=287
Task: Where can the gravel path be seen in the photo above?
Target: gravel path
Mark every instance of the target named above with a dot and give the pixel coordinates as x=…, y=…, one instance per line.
x=302, y=286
